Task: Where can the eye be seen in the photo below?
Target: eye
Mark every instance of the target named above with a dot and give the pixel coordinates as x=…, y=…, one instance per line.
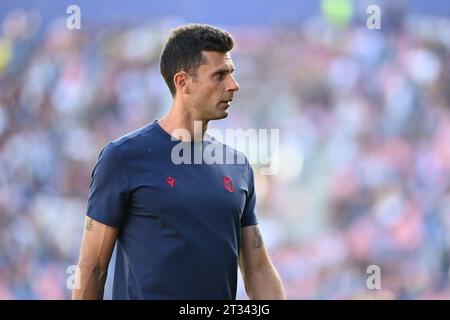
x=220, y=75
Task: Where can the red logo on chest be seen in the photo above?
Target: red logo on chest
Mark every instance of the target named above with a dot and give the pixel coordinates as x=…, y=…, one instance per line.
x=228, y=184
x=170, y=181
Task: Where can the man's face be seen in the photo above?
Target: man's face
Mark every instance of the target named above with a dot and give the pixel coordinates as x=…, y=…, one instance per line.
x=211, y=91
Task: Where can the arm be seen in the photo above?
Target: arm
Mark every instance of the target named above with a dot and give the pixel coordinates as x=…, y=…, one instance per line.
x=96, y=249
x=261, y=280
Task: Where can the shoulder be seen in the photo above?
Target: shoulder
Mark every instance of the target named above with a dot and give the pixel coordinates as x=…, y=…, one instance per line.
x=133, y=137
x=117, y=149
x=136, y=142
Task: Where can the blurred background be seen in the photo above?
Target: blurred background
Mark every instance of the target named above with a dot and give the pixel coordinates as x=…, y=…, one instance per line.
x=364, y=120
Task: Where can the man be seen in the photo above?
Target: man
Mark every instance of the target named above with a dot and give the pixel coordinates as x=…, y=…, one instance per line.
x=181, y=229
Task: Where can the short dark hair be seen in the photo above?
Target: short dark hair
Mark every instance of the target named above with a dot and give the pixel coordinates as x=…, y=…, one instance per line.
x=183, y=49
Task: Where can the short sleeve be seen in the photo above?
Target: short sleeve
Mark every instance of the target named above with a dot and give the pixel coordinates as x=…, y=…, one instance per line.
x=249, y=215
x=109, y=188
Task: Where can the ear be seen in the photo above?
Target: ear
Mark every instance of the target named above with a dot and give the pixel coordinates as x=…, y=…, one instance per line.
x=180, y=79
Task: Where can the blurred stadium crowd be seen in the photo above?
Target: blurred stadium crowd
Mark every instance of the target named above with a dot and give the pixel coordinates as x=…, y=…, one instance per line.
x=364, y=119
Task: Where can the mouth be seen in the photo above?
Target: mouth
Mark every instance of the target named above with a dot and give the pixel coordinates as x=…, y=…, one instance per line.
x=227, y=102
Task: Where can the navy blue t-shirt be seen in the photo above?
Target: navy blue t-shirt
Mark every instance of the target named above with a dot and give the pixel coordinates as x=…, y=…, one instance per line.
x=179, y=224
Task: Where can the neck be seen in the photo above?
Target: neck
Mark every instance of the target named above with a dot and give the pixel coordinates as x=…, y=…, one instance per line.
x=180, y=119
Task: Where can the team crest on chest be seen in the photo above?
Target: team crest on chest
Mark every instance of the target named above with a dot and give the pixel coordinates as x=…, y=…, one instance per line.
x=228, y=184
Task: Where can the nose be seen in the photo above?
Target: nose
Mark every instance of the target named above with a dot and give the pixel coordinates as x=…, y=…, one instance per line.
x=234, y=85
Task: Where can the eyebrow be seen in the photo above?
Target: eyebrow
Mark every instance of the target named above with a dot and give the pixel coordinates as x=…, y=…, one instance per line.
x=223, y=70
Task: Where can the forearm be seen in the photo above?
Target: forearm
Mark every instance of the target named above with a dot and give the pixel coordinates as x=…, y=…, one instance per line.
x=265, y=285
x=90, y=283
x=95, y=253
